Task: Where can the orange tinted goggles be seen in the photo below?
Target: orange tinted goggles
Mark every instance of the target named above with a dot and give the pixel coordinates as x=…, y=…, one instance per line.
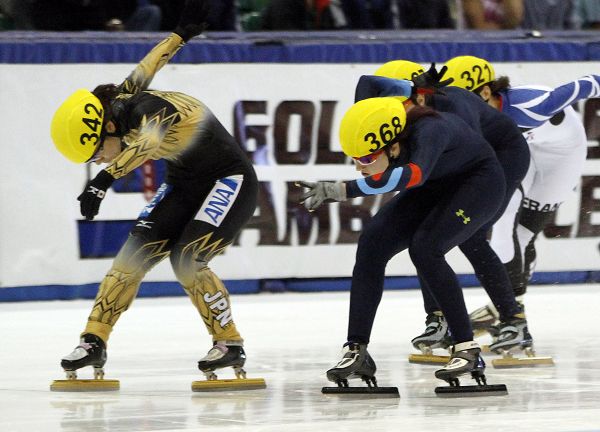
x=368, y=159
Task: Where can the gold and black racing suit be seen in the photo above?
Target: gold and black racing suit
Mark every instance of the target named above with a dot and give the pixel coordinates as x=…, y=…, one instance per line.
x=209, y=194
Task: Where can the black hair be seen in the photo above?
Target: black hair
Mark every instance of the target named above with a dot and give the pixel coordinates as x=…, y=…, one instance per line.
x=496, y=86
x=412, y=116
x=106, y=93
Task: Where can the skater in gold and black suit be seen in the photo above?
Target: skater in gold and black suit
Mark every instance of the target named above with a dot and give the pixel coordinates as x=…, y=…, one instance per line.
x=209, y=194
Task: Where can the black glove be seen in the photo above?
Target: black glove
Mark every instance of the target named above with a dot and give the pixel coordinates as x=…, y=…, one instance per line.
x=94, y=192
x=192, y=21
x=321, y=192
x=431, y=80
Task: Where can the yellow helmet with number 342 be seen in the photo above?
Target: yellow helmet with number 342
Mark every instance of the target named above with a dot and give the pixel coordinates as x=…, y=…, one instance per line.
x=370, y=125
x=469, y=72
x=76, y=126
x=400, y=69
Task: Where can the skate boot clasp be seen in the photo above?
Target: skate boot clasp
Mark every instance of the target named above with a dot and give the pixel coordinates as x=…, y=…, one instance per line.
x=466, y=359
x=223, y=355
x=356, y=363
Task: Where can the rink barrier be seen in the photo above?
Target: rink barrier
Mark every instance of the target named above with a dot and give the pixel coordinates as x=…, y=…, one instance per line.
x=290, y=47
x=254, y=286
x=302, y=47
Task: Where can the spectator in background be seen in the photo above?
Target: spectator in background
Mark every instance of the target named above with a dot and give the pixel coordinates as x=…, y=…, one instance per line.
x=78, y=15
x=328, y=15
x=368, y=14
x=424, y=14
x=286, y=15
x=493, y=14
x=171, y=10
x=20, y=13
x=222, y=15
x=548, y=14
x=145, y=17
x=587, y=14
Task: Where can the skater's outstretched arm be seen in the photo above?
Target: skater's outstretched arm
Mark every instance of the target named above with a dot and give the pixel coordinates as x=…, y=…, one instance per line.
x=191, y=24
x=141, y=77
x=531, y=106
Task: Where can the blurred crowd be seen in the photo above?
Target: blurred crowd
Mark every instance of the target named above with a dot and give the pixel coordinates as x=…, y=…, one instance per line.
x=260, y=15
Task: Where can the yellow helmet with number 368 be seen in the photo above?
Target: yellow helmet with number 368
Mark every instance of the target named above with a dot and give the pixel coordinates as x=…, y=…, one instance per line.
x=370, y=125
x=77, y=125
x=469, y=72
x=400, y=69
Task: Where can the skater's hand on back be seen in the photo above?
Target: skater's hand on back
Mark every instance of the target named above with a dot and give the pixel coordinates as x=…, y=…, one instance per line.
x=432, y=79
x=192, y=21
x=94, y=193
x=321, y=192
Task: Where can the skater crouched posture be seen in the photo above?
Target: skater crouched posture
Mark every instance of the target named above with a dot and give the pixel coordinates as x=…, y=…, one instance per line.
x=558, y=145
x=209, y=194
x=451, y=184
x=512, y=152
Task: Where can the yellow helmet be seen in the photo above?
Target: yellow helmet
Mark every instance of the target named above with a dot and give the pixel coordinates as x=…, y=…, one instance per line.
x=371, y=124
x=77, y=125
x=469, y=72
x=400, y=69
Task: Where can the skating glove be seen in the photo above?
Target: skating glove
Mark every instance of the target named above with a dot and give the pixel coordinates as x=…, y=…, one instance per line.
x=94, y=192
x=192, y=21
x=431, y=80
x=321, y=192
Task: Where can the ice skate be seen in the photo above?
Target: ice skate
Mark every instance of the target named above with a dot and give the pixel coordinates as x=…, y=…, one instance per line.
x=220, y=356
x=513, y=337
x=466, y=359
x=483, y=320
x=356, y=363
x=436, y=335
x=91, y=351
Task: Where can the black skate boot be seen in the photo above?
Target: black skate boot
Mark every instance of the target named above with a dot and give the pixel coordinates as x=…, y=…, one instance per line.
x=513, y=336
x=436, y=335
x=466, y=359
x=91, y=351
x=225, y=354
x=356, y=363
x=483, y=320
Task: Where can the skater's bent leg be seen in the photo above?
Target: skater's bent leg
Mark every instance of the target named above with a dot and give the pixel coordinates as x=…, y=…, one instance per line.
x=386, y=234
x=491, y=273
x=444, y=285
x=531, y=223
x=211, y=299
x=120, y=285
x=429, y=302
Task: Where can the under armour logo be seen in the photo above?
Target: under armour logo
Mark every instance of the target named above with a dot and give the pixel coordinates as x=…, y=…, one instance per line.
x=461, y=213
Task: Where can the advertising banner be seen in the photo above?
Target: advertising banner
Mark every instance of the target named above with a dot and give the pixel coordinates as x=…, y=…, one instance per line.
x=286, y=117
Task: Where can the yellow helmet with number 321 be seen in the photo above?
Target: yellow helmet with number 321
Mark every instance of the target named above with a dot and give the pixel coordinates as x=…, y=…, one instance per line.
x=400, y=69
x=370, y=125
x=469, y=72
x=76, y=126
